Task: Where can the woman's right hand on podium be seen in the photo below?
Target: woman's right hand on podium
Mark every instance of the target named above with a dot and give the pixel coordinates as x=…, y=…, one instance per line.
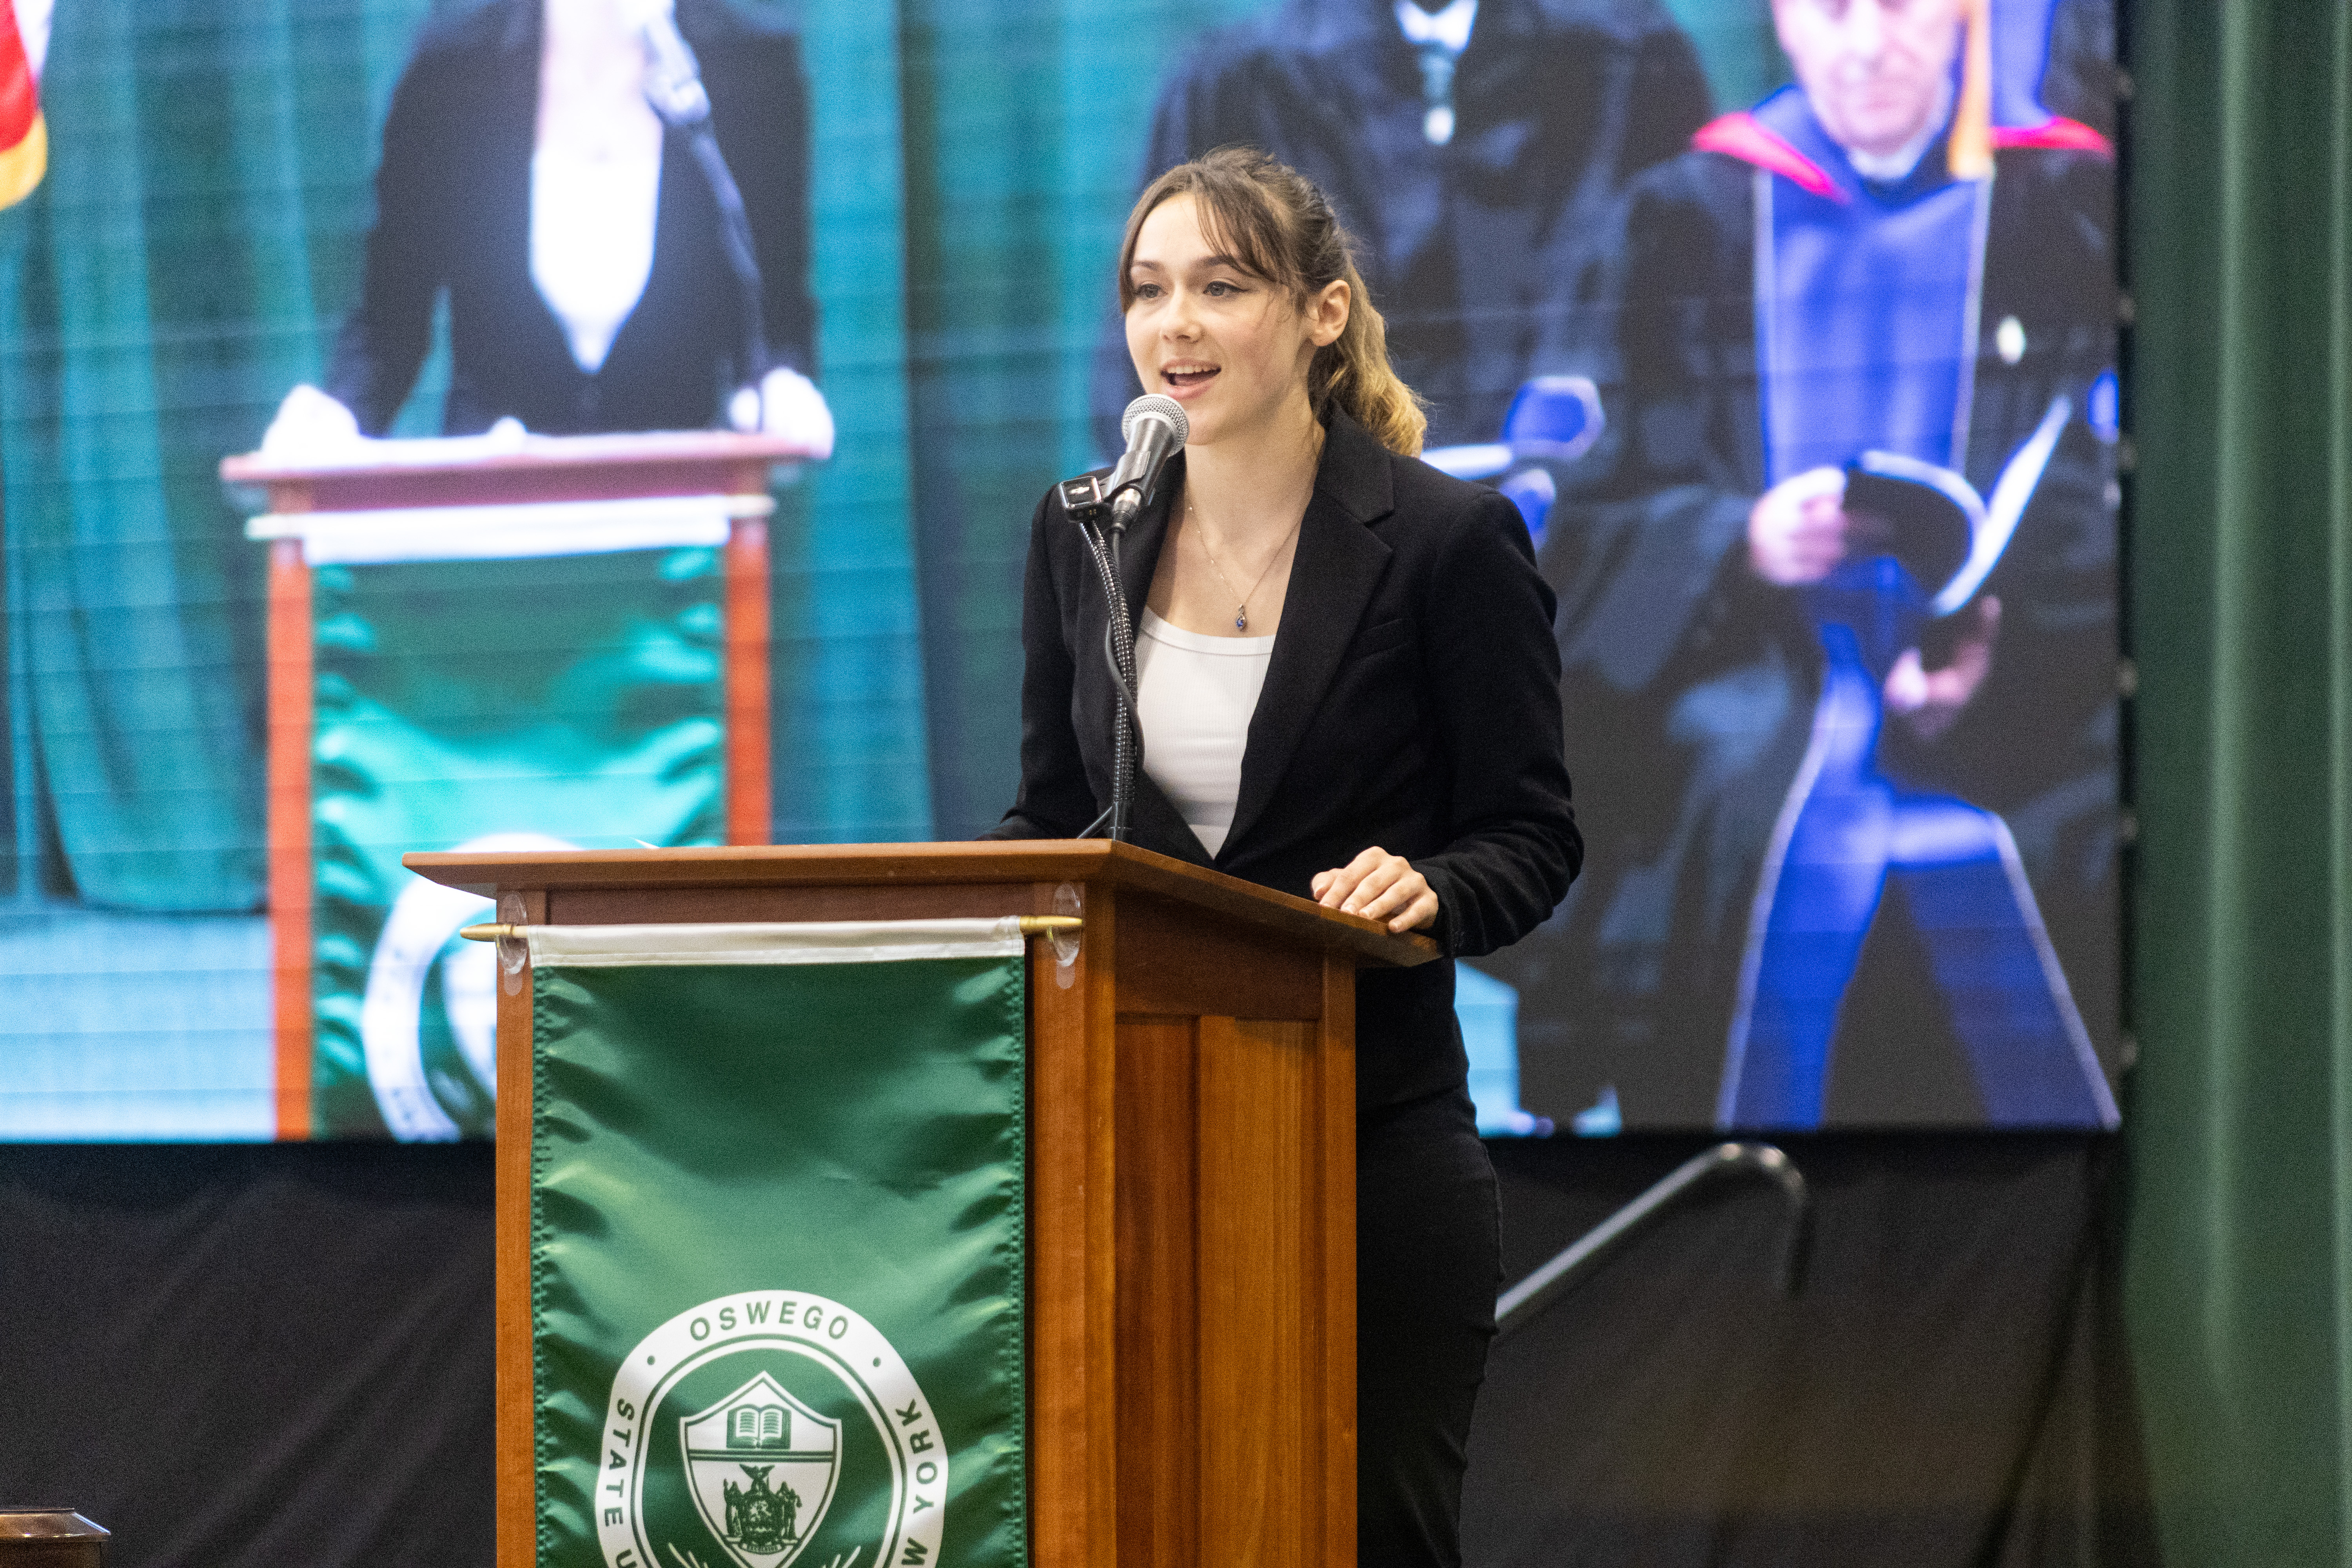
x=309, y=423
x=1379, y=886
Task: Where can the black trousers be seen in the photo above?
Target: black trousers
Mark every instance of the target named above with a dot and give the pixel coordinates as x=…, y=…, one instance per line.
x=1429, y=1263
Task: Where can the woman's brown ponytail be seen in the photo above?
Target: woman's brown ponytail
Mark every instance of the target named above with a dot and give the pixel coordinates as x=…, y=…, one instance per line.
x=1274, y=222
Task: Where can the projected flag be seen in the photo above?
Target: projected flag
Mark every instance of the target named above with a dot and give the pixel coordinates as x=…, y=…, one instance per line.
x=24, y=136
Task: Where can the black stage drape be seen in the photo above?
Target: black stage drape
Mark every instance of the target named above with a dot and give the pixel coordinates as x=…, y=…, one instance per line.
x=269, y=1354
x=282, y=1354
x=1948, y=1388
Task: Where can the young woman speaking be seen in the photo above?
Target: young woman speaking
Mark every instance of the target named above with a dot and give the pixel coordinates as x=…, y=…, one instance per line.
x=1348, y=689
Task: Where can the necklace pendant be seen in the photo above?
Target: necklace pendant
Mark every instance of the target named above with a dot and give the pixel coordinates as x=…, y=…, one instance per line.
x=1241, y=619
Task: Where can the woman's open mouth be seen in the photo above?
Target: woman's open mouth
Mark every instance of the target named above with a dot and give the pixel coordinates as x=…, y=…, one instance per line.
x=1186, y=378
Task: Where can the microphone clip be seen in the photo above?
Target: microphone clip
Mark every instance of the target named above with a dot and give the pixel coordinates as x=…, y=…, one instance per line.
x=1093, y=502
x=1086, y=500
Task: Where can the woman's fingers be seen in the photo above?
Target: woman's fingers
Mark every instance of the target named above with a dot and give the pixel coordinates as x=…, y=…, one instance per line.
x=1386, y=890
x=1408, y=904
x=1343, y=881
x=1421, y=911
x=1379, y=886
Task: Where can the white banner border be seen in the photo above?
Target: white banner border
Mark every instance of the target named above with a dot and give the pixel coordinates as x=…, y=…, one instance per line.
x=769, y=942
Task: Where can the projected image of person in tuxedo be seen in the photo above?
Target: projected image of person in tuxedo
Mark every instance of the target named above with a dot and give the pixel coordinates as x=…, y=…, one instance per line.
x=1838, y=583
x=1469, y=145
x=1347, y=691
x=527, y=177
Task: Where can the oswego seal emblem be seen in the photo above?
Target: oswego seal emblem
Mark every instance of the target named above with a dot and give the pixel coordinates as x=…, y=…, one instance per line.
x=769, y=1429
x=759, y=1430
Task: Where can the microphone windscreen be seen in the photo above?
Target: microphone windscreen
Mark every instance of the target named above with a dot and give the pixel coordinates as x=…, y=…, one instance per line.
x=1154, y=405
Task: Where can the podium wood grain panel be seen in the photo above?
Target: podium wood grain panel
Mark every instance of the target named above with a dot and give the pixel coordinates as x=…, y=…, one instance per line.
x=516, y=1528
x=1173, y=962
x=1336, y=1107
x=1105, y=1435
x=1062, y=1413
x=1158, y=1298
x=1260, y=1286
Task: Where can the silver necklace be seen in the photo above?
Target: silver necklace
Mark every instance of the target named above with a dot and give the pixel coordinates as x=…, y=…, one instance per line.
x=1241, y=607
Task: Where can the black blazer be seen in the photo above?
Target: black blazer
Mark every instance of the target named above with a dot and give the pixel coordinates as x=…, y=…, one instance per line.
x=453, y=210
x=1412, y=702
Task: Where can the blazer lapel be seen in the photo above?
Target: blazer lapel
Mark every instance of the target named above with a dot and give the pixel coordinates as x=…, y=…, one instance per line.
x=1157, y=825
x=1139, y=553
x=1338, y=563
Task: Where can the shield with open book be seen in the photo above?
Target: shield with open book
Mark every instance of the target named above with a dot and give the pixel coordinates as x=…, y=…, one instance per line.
x=762, y=1466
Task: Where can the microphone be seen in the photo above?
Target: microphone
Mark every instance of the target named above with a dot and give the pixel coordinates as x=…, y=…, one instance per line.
x=673, y=76
x=1155, y=428
x=674, y=89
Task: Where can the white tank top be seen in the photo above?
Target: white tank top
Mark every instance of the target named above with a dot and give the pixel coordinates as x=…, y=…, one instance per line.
x=1194, y=696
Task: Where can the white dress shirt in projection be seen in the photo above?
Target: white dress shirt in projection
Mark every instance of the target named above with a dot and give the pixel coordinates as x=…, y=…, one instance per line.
x=591, y=241
x=595, y=173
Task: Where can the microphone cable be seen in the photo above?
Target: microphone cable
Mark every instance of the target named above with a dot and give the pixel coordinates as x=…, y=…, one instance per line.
x=674, y=89
x=1119, y=655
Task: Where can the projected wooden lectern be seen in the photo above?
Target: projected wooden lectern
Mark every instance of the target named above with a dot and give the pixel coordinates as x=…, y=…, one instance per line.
x=479, y=498
x=1190, y=1257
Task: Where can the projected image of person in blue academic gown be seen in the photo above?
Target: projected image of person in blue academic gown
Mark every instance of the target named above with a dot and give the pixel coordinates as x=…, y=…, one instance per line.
x=1470, y=146
x=1837, y=597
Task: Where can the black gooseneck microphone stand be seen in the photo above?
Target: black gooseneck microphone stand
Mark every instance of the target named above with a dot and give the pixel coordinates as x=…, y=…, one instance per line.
x=1102, y=522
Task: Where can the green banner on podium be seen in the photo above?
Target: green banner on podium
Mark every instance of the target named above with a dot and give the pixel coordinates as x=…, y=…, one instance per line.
x=778, y=1194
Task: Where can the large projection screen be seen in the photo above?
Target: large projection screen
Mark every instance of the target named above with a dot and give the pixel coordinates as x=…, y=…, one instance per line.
x=1787, y=326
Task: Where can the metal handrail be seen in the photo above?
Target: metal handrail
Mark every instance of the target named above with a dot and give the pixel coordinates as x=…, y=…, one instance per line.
x=1519, y=1305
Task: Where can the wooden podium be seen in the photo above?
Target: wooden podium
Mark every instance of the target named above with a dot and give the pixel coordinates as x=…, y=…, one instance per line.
x=489, y=496
x=1191, y=1259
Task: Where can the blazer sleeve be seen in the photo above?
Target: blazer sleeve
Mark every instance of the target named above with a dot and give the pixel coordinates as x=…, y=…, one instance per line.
x=1495, y=672
x=383, y=341
x=1056, y=801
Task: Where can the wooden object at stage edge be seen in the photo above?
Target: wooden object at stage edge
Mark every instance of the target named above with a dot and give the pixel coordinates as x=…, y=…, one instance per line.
x=49, y=1538
x=1192, y=1264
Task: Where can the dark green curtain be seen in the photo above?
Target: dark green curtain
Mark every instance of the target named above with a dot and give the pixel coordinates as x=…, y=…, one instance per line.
x=2240, y=1114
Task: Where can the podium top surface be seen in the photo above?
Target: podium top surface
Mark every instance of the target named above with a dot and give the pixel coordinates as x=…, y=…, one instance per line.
x=506, y=468
x=867, y=865
x=473, y=454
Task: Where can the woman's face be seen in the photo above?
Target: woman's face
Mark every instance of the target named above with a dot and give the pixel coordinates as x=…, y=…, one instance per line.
x=1230, y=346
